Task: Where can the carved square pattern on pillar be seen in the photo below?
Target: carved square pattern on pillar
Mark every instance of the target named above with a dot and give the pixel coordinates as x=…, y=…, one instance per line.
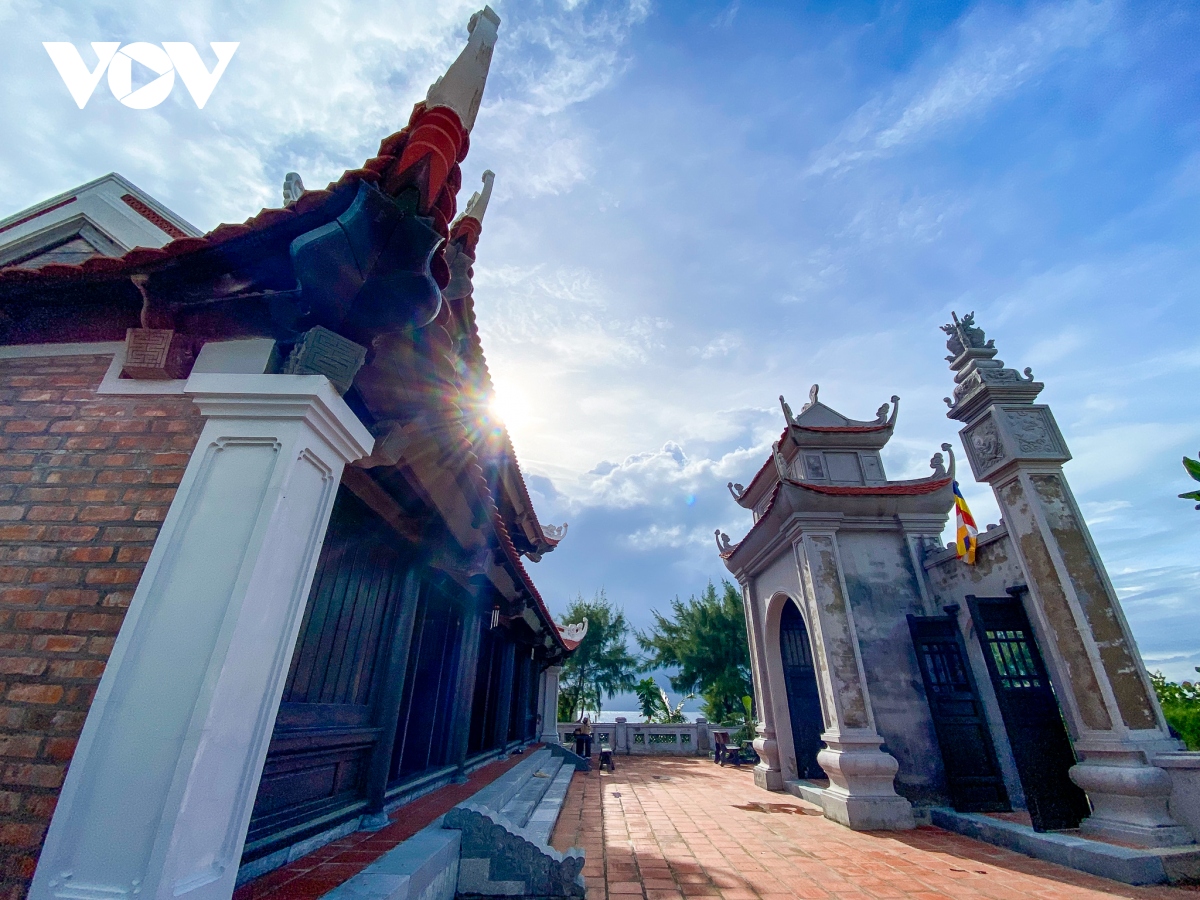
x=984, y=446
x=1034, y=432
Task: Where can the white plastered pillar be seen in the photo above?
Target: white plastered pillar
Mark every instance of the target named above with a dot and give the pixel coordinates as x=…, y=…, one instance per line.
x=767, y=774
x=549, y=694
x=861, y=792
x=159, y=794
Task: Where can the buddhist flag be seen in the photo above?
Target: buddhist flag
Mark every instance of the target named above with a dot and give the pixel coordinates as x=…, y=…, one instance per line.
x=966, y=534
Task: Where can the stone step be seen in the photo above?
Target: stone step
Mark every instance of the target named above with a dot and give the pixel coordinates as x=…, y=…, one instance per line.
x=504, y=788
x=541, y=823
x=526, y=800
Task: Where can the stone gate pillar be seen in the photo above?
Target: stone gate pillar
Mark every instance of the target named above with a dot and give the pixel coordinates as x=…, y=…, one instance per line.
x=861, y=792
x=767, y=774
x=549, y=694
x=1107, y=700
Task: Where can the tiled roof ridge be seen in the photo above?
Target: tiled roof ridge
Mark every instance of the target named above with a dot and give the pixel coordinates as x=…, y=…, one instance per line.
x=843, y=429
x=473, y=467
x=725, y=554
x=391, y=166
x=769, y=464
x=464, y=230
x=912, y=488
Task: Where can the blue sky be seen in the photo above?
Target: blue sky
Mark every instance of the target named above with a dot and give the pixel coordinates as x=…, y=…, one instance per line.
x=702, y=205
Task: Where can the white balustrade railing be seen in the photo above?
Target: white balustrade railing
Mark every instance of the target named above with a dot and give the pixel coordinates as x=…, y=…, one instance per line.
x=640, y=738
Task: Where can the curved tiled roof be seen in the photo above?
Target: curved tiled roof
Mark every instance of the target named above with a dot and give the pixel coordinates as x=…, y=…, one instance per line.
x=891, y=489
x=843, y=429
x=425, y=153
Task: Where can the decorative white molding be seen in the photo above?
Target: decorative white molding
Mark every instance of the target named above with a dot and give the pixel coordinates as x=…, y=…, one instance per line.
x=113, y=383
x=35, y=351
x=159, y=794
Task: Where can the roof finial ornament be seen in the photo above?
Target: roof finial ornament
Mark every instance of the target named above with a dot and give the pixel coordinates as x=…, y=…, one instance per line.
x=555, y=532
x=812, y=398
x=787, y=411
x=965, y=335
x=780, y=464
x=938, y=463
x=478, y=203
x=293, y=187
x=724, y=546
x=950, y=452
x=736, y=490
x=464, y=238
x=461, y=88
x=979, y=374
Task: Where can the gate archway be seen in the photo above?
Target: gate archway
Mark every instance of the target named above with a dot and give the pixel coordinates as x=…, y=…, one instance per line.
x=803, y=694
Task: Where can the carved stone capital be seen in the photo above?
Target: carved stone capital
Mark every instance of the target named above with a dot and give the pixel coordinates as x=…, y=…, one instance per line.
x=1006, y=435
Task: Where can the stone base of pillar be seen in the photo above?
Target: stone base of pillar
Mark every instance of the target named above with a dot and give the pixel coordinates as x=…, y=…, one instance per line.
x=768, y=779
x=1129, y=804
x=862, y=793
x=374, y=821
x=767, y=774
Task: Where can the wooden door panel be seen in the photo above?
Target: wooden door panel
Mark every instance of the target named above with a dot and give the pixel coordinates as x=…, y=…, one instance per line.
x=326, y=728
x=1041, y=748
x=973, y=774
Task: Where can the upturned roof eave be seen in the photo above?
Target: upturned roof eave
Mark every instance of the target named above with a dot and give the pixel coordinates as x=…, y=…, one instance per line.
x=925, y=496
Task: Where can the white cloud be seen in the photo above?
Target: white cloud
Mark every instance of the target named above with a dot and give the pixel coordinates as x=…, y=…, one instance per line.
x=993, y=60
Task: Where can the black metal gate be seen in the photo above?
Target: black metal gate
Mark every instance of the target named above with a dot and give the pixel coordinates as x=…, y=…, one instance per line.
x=803, y=695
x=1040, y=745
x=968, y=755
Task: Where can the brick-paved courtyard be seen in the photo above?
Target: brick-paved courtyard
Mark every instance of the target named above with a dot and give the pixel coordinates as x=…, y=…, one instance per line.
x=666, y=829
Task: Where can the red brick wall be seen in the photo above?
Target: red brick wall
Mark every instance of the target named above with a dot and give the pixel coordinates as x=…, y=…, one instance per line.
x=85, y=481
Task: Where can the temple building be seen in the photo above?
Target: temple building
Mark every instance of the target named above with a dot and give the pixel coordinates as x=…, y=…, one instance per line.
x=263, y=543
x=897, y=683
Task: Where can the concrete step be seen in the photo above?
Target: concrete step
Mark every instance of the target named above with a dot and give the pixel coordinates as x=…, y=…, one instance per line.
x=526, y=800
x=504, y=788
x=543, y=819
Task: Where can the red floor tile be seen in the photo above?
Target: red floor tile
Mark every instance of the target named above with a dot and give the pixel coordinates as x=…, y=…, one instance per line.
x=706, y=832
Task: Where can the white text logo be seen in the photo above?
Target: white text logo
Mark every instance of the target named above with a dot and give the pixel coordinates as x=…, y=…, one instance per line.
x=164, y=61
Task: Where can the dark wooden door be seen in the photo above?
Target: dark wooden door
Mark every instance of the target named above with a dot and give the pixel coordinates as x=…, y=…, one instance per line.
x=327, y=725
x=968, y=754
x=803, y=696
x=1040, y=745
x=423, y=730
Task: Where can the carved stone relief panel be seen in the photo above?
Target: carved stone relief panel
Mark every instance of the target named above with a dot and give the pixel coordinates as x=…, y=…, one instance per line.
x=1033, y=433
x=984, y=446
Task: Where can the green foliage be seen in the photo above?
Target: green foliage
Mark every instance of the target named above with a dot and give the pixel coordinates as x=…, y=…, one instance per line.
x=601, y=665
x=706, y=640
x=1192, y=467
x=656, y=705
x=1181, y=706
x=649, y=697
x=747, y=731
